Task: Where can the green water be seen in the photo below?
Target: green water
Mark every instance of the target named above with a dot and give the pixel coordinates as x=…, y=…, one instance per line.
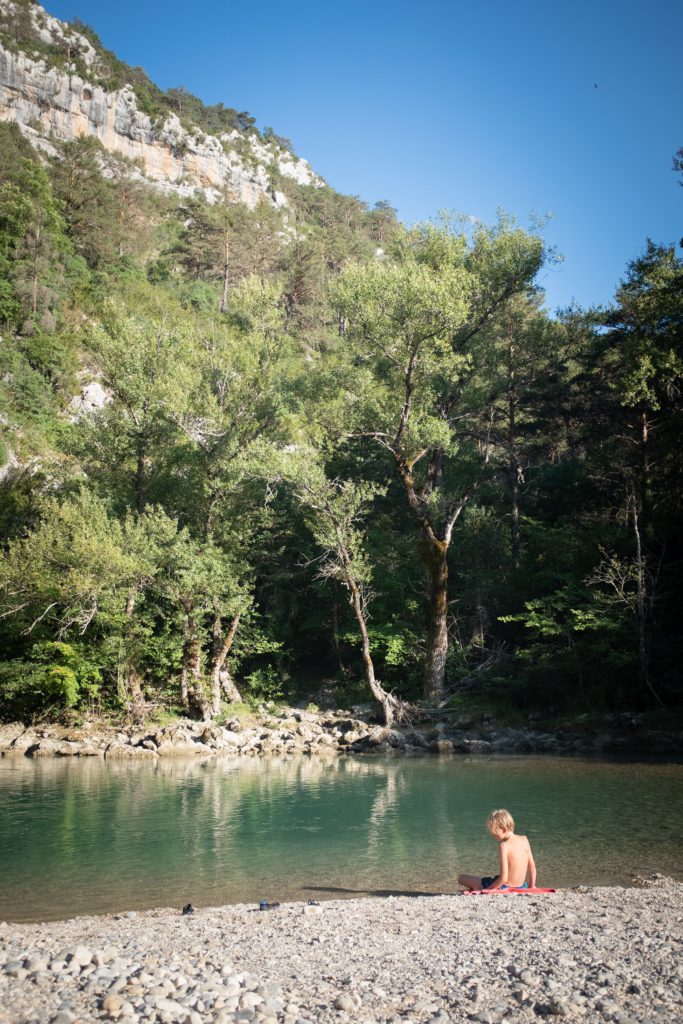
x=86, y=837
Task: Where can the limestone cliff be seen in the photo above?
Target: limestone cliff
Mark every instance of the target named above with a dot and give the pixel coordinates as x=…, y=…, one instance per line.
x=49, y=102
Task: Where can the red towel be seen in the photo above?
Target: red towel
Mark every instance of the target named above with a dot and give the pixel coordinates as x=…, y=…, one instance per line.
x=504, y=892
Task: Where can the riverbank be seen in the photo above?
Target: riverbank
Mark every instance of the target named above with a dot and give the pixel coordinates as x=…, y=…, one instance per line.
x=603, y=954
x=313, y=732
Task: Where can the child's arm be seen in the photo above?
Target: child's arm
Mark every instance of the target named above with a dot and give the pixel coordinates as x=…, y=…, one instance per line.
x=502, y=876
x=531, y=868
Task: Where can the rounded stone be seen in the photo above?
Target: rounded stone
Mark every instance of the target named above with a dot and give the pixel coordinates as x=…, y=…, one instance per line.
x=112, y=1005
x=344, y=1002
x=81, y=955
x=249, y=1000
x=558, y=1007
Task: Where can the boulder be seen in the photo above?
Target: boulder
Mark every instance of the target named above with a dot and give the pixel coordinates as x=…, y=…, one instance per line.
x=11, y=734
x=53, y=748
x=472, y=746
x=230, y=740
x=352, y=736
x=181, y=748
x=23, y=742
x=416, y=739
x=118, y=751
x=210, y=734
x=441, y=746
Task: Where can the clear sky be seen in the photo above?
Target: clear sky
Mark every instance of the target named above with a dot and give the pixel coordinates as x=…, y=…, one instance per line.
x=573, y=109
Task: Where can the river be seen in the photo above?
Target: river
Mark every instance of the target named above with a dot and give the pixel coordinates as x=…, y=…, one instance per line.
x=84, y=836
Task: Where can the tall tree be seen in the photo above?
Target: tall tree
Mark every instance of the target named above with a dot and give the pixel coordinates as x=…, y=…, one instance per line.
x=644, y=350
x=335, y=512
x=416, y=325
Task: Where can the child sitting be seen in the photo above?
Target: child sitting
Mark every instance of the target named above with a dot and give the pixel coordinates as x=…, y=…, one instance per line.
x=516, y=860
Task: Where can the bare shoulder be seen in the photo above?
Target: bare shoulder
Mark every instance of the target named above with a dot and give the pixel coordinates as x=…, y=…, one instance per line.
x=525, y=840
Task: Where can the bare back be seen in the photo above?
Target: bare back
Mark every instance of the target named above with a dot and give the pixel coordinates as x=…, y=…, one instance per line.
x=516, y=861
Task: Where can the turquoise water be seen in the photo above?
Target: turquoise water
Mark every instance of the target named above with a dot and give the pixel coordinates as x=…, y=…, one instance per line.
x=85, y=837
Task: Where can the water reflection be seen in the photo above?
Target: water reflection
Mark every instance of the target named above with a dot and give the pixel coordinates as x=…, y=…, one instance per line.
x=88, y=837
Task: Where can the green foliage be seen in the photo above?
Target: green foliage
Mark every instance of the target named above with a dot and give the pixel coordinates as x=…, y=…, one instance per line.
x=397, y=651
x=578, y=649
x=36, y=258
x=647, y=325
x=70, y=676
x=106, y=217
x=55, y=677
x=234, y=709
x=268, y=135
x=262, y=686
x=276, y=390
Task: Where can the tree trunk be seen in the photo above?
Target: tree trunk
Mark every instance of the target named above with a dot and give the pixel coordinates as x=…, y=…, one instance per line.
x=226, y=273
x=140, y=474
x=645, y=480
x=481, y=618
x=435, y=556
x=220, y=679
x=184, y=695
x=391, y=706
x=515, y=502
x=35, y=271
x=133, y=677
x=433, y=551
x=191, y=694
x=515, y=474
x=641, y=609
x=229, y=688
x=384, y=699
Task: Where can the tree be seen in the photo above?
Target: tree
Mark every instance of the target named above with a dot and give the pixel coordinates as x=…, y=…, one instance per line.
x=224, y=242
x=34, y=251
x=514, y=368
x=416, y=327
x=642, y=349
x=678, y=164
x=335, y=511
x=229, y=402
x=66, y=579
x=200, y=580
x=140, y=354
x=104, y=206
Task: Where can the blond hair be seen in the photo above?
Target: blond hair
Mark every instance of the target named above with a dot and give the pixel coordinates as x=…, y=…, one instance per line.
x=500, y=821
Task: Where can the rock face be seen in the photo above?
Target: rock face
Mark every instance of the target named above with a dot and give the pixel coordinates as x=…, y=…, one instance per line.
x=92, y=398
x=49, y=102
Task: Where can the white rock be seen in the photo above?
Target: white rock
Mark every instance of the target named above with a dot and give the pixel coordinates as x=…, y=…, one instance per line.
x=248, y=1000
x=54, y=102
x=81, y=955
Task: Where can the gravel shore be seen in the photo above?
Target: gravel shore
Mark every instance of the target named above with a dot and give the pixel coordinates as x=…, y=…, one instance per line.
x=603, y=954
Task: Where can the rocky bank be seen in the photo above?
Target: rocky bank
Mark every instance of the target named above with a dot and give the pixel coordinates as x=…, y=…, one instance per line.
x=607, y=954
x=298, y=731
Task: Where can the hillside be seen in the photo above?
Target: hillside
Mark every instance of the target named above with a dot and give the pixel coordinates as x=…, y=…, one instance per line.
x=59, y=84
x=261, y=442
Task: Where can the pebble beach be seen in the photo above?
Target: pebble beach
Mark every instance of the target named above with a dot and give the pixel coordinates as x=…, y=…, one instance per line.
x=609, y=954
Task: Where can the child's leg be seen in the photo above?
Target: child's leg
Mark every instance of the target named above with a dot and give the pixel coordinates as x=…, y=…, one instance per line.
x=471, y=881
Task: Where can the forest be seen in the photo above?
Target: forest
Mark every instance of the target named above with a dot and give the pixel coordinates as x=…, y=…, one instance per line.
x=333, y=456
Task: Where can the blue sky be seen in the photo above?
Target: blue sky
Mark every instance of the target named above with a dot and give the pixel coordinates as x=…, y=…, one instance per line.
x=456, y=106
